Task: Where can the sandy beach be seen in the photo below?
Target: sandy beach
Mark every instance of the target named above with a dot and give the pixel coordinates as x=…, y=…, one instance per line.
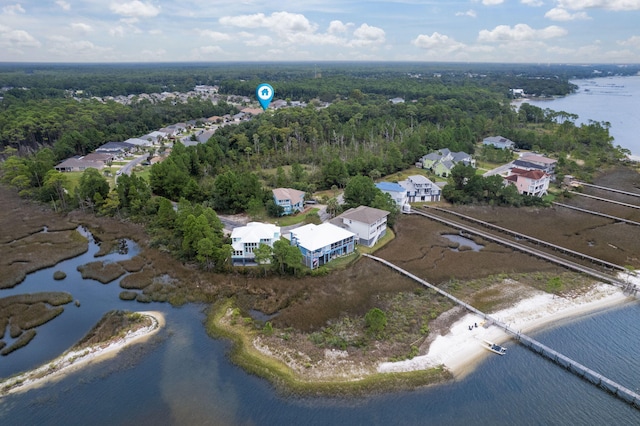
x=73, y=360
x=460, y=350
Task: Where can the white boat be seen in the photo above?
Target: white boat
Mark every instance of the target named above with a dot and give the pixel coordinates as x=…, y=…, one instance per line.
x=500, y=350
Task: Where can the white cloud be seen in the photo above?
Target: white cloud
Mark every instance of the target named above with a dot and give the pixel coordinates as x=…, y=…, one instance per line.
x=492, y=2
x=117, y=31
x=279, y=22
x=559, y=14
x=633, y=41
x=437, y=41
x=214, y=35
x=206, y=52
x=11, y=38
x=79, y=26
x=336, y=27
x=136, y=9
x=366, y=35
x=63, y=46
x=616, y=5
x=13, y=9
x=520, y=32
x=63, y=4
x=471, y=13
x=259, y=41
x=534, y=3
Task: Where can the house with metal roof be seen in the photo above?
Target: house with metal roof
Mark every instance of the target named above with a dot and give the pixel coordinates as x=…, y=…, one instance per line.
x=420, y=189
x=319, y=244
x=368, y=223
x=397, y=192
x=245, y=239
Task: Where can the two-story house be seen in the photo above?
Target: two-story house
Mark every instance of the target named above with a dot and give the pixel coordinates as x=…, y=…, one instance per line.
x=530, y=161
x=245, y=239
x=397, y=192
x=443, y=160
x=368, y=223
x=420, y=188
x=529, y=182
x=319, y=244
x=291, y=200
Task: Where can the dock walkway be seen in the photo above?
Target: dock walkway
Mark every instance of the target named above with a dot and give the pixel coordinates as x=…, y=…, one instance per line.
x=575, y=367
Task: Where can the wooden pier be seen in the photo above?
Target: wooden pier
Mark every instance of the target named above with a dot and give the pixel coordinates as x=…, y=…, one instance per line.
x=601, y=276
x=608, y=216
x=607, y=200
x=619, y=191
x=518, y=235
x=575, y=367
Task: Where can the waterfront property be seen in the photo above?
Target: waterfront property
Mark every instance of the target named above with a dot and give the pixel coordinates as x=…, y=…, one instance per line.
x=291, y=200
x=320, y=244
x=420, y=188
x=397, y=192
x=529, y=182
x=528, y=161
x=368, y=223
x=245, y=239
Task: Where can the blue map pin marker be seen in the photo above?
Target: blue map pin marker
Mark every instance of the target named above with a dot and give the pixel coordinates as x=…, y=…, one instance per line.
x=264, y=93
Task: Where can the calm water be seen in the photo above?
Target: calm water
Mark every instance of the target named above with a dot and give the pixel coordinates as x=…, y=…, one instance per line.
x=183, y=377
x=612, y=99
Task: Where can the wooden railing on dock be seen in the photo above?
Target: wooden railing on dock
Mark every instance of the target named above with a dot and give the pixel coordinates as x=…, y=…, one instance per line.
x=575, y=367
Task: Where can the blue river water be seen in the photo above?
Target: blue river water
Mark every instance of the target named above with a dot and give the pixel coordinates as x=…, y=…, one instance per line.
x=611, y=99
x=183, y=377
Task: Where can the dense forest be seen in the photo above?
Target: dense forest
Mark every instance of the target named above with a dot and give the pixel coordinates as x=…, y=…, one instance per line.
x=347, y=135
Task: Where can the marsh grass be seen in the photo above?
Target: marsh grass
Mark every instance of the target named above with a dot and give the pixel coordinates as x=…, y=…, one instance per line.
x=287, y=381
x=23, y=313
x=135, y=264
x=114, y=324
x=105, y=272
x=38, y=251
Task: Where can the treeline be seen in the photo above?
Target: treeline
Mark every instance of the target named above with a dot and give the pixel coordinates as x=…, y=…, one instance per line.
x=295, y=80
x=71, y=127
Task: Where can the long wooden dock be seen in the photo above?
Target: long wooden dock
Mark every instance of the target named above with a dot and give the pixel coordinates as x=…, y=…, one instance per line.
x=630, y=287
x=606, y=200
x=619, y=191
x=608, y=216
x=571, y=365
x=534, y=240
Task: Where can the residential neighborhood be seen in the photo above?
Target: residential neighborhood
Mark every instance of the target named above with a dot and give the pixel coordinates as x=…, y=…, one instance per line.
x=530, y=173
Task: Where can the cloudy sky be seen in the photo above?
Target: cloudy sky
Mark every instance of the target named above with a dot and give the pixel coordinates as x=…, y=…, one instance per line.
x=556, y=31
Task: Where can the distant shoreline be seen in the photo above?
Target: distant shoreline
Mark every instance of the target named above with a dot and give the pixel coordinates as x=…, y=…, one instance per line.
x=76, y=359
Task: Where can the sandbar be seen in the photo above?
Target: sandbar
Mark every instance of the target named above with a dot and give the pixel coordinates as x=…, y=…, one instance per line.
x=73, y=360
x=461, y=349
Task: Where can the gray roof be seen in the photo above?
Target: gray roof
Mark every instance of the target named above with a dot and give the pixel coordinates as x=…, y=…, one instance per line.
x=364, y=214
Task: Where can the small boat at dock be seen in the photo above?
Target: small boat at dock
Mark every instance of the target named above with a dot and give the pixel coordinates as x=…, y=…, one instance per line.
x=500, y=350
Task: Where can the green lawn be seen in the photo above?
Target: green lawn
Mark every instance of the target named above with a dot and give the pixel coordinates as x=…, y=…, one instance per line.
x=295, y=219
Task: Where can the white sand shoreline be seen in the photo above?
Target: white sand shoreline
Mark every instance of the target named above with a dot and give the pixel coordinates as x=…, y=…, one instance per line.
x=72, y=360
x=460, y=350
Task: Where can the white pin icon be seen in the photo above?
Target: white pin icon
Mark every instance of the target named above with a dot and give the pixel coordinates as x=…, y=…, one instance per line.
x=264, y=93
